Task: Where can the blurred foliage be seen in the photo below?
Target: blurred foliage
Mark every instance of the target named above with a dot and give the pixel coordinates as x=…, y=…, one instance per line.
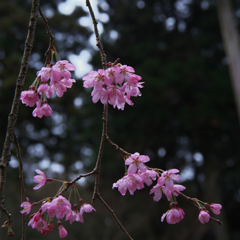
x=186, y=114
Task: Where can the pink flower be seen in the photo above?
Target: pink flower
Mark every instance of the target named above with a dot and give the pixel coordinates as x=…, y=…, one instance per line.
x=62, y=68
x=174, y=215
x=29, y=97
x=45, y=89
x=45, y=74
x=42, y=110
x=85, y=208
x=47, y=110
x=40, y=179
x=101, y=94
x=168, y=176
x=62, y=231
x=130, y=182
x=215, y=208
x=60, y=206
x=203, y=216
x=157, y=190
x=26, y=207
x=135, y=162
x=148, y=176
x=176, y=190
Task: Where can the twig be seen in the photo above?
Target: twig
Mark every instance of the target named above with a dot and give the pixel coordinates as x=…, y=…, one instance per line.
x=68, y=184
x=114, y=216
x=117, y=147
x=12, y=119
x=193, y=202
x=116, y=62
x=98, y=44
x=51, y=47
x=8, y=215
x=15, y=139
x=100, y=153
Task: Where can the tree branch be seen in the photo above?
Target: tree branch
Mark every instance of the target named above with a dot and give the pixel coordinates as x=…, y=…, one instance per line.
x=15, y=139
x=51, y=47
x=12, y=119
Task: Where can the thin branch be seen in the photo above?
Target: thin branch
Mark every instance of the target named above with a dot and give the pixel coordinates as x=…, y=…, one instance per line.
x=125, y=153
x=51, y=47
x=100, y=153
x=114, y=216
x=12, y=119
x=8, y=215
x=104, y=138
x=68, y=184
x=15, y=139
x=193, y=202
x=98, y=44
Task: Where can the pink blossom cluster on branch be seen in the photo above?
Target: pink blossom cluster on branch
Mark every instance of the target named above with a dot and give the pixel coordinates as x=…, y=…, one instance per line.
x=138, y=174
x=58, y=207
x=60, y=79
x=115, y=86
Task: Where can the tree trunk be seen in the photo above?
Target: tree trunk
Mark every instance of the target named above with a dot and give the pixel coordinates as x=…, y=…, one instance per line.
x=230, y=37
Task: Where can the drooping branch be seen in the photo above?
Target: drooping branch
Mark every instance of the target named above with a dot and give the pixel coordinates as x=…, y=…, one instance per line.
x=12, y=119
x=114, y=217
x=15, y=139
x=98, y=44
x=51, y=47
x=100, y=153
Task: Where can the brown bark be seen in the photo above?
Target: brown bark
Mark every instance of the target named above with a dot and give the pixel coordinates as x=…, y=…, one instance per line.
x=12, y=118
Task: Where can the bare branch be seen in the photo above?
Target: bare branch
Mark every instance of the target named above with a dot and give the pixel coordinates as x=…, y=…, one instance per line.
x=15, y=139
x=114, y=216
x=98, y=44
x=51, y=47
x=118, y=148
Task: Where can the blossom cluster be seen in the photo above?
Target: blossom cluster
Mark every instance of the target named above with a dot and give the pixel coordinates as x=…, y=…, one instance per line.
x=138, y=174
x=59, y=78
x=115, y=86
x=58, y=207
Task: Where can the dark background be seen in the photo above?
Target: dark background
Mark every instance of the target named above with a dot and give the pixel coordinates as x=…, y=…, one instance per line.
x=186, y=117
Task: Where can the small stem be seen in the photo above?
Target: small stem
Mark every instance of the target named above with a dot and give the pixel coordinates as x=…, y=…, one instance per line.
x=15, y=139
x=193, y=202
x=68, y=184
x=51, y=47
x=114, y=216
x=125, y=153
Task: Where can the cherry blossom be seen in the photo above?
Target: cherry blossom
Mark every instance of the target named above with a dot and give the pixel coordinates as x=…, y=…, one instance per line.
x=85, y=208
x=174, y=215
x=26, y=207
x=60, y=206
x=215, y=208
x=62, y=231
x=130, y=182
x=114, y=86
x=136, y=162
x=157, y=190
x=60, y=79
x=40, y=179
x=29, y=97
x=148, y=176
x=168, y=176
x=203, y=216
